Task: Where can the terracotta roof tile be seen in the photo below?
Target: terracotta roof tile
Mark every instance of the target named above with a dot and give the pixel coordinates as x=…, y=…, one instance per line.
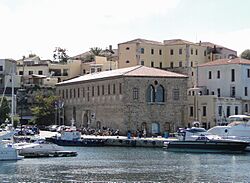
x=139, y=40
x=226, y=62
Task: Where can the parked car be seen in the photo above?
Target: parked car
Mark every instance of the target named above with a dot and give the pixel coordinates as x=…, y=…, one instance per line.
x=53, y=128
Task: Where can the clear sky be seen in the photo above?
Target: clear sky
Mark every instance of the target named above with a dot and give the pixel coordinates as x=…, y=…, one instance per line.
x=38, y=26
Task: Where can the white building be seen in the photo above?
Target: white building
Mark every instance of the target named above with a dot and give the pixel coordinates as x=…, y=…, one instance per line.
x=224, y=90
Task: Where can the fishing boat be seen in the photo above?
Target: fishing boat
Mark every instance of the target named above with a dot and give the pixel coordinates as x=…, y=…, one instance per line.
x=199, y=140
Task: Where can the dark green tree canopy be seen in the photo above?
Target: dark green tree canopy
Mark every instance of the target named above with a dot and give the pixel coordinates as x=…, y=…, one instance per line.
x=245, y=54
x=60, y=55
x=44, y=110
x=4, y=109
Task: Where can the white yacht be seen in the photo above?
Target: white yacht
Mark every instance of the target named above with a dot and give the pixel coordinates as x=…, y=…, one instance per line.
x=238, y=128
x=7, y=151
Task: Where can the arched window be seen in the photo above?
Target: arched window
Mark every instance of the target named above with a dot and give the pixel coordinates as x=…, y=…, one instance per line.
x=150, y=94
x=159, y=96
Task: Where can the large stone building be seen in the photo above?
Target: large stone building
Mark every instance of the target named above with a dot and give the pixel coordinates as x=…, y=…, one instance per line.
x=127, y=99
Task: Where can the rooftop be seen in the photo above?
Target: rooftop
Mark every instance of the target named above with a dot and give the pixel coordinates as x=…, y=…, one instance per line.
x=139, y=40
x=226, y=62
x=212, y=45
x=136, y=71
x=176, y=41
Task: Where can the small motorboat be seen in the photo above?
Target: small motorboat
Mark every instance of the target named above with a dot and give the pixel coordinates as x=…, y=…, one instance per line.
x=42, y=148
x=199, y=140
x=7, y=151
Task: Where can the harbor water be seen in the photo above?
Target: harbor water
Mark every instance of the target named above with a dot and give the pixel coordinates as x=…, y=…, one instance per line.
x=127, y=164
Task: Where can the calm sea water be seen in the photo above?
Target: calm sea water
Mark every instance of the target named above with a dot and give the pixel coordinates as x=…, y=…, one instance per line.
x=120, y=164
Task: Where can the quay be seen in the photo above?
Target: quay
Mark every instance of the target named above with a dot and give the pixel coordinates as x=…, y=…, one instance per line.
x=121, y=141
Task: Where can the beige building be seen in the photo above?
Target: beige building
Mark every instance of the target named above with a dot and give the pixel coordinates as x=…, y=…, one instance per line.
x=175, y=55
x=139, y=97
x=99, y=64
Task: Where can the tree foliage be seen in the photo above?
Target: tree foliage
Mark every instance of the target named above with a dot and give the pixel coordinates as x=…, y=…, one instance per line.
x=60, y=55
x=245, y=54
x=44, y=110
x=4, y=109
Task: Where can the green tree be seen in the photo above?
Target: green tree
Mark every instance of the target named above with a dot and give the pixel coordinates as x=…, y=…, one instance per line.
x=44, y=110
x=95, y=51
x=245, y=54
x=60, y=55
x=4, y=109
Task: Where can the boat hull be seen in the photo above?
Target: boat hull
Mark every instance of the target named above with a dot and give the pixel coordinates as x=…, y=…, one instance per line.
x=84, y=142
x=207, y=146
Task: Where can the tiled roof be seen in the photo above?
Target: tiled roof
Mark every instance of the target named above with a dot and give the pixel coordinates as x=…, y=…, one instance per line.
x=226, y=62
x=208, y=44
x=139, y=40
x=176, y=41
x=137, y=71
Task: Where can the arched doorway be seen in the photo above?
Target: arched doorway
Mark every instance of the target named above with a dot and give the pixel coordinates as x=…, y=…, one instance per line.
x=155, y=130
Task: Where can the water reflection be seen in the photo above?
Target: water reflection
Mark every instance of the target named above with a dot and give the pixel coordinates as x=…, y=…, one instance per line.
x=129, y=164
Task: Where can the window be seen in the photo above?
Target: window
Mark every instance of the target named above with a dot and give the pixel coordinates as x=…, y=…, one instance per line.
x=176, y=94
x=218, y=74
x=160, y=65
x=74, y=92
x=218, y=92
x=171, y=64
x=236, y=110
x=228, y=111
x=180, y=51
x=246, y=107
x=191, y=64
x=127, y=48
x=120, y=88
x=248, y=73
x=93, y=91
x=113, y=88
x=102, y=89
x=209, y=74
x=30, y=72
x=233, y=92
x=246, y=94
x=20, y=72
x=83, y=92
x=180, y=63
x=1, y=68
x=70, y=93
x=142, y=62
x=135, y=93
x=171, y=52
x=191, y=111
x=204, y=111
x=127, y=61
x=159, y=95
x=160, y=52
x=108, y=89
x=192, y=51
x=232, y=75
x=142, y=50
x=92, y=70
x=84, y=71
x=67, y=96
x=98, y=90
x=205, y=53
x=196, y=52
x=150, y=94
x=78, y=92
x=40, y=72
x=63, y=95
x=220, y=110
x=152, y=64
x=152, y=51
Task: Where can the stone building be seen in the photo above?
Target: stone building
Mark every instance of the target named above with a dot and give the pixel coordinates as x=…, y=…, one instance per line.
x=128, y=99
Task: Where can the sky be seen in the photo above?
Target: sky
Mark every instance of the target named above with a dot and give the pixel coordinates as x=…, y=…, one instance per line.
x=38, y=26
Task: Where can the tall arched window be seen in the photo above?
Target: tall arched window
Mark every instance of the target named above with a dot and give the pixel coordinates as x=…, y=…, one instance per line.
x=159, y=96
x=150, y=94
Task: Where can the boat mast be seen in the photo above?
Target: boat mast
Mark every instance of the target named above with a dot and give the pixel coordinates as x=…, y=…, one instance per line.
x=12, y=94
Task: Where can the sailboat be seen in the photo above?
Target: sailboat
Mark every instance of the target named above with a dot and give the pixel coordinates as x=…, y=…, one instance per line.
x=7, y=151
